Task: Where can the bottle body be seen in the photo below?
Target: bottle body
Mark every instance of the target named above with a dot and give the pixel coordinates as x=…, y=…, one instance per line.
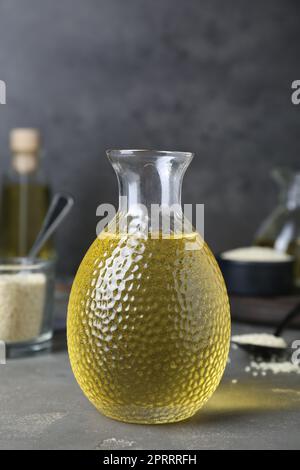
x=148, y=342
x=148, y=321
x=25, y=198
x=23, y=208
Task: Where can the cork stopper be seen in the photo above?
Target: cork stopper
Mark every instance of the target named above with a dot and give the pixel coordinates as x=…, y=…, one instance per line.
x=24, y=140
x=25, y=145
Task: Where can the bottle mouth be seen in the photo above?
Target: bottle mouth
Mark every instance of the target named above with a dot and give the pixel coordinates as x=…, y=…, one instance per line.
x=115, y=153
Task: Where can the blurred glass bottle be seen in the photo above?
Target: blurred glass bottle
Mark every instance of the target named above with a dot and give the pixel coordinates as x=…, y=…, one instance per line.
x=25, y=197
x=281, y=230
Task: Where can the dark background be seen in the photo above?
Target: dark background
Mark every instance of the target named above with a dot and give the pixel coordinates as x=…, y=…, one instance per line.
x=209, y=76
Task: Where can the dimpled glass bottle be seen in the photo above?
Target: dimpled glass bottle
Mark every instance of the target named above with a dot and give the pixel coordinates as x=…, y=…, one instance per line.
x=148, y=319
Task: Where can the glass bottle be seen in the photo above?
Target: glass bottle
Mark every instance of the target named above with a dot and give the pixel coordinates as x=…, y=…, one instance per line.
x=25, y=197
x=281, y=230
x=148, y=319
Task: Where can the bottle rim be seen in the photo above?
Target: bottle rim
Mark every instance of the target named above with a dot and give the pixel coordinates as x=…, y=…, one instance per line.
x=148, y=153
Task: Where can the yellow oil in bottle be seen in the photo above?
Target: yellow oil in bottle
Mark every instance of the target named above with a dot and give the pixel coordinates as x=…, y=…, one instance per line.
x=148, y=327
x=23, y=209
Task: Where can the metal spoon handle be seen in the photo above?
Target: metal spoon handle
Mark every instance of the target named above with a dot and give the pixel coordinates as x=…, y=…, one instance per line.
x=293, y=313
x=60, y=206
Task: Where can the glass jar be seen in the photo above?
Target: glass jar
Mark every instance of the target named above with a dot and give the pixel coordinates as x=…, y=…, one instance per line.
x=148, y=319
x=26, y=307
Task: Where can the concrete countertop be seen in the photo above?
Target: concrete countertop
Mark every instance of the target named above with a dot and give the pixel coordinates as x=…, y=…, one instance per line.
x=42, y=407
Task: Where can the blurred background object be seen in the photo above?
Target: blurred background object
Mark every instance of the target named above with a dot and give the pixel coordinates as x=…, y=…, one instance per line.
x=281, y=229
x=25, y=197
x=26, y=307
x=27, y=283
x=58, y=210
x=207, y=76
x=257, y=271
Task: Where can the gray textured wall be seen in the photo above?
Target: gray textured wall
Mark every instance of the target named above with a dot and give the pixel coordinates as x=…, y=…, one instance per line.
x=203, y=75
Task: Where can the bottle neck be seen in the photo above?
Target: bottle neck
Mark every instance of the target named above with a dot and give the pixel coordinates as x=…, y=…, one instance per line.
x=150, y=186
x=25, y=163
x=155, y=184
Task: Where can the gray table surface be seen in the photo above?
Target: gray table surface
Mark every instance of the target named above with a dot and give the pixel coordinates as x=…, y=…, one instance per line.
x=42, y=407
